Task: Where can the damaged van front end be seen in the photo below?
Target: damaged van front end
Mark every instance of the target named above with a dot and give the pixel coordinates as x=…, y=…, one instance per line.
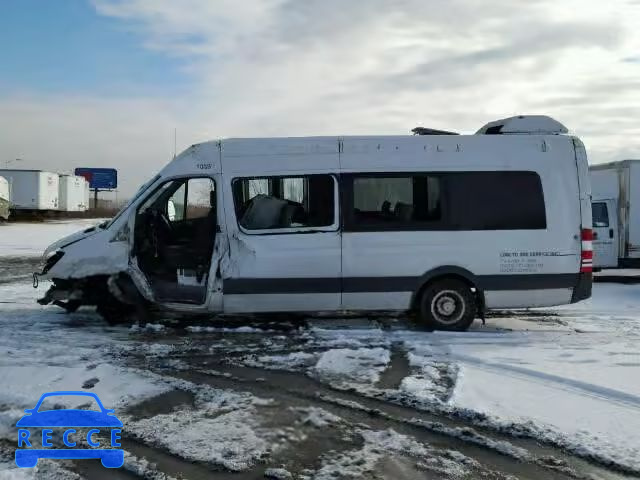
x=80, y=267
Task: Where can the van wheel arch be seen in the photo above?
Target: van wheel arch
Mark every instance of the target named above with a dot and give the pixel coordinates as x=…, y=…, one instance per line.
x=448, y=273
x=122, y=301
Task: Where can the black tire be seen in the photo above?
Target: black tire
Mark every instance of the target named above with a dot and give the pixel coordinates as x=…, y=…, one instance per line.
x=70, y=306
x=448, y=304
x=115, y=312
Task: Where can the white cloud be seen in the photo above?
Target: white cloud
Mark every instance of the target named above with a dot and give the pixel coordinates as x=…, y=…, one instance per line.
x=135, y=136
x=295, y=67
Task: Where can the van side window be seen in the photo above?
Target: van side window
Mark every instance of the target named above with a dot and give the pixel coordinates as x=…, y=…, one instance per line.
x=496, y=201
x=446, y=201
x=396, y=200
x=201, y=198
x=267, y=203
x=600, y=214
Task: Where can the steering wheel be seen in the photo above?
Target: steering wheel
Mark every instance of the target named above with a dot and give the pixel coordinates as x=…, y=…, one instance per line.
x=159, y=226
x=164, y=221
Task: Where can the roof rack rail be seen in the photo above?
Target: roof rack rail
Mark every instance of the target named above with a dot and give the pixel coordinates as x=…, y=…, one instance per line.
x=431, y=131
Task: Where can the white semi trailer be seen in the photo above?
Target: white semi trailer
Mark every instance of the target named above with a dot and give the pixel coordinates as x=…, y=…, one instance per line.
x=616, y=214
x=73, y=194
x=33, y=190
x=5, y=199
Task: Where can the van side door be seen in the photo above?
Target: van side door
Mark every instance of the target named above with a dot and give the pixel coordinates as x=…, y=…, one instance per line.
x=285, y=244
x=605, y=233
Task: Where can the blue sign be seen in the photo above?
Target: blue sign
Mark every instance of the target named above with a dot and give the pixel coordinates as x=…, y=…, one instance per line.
x=100, y=178
x=64, y=421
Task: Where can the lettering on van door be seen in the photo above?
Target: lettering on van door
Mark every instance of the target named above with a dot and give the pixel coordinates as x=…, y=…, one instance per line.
x=524, y=262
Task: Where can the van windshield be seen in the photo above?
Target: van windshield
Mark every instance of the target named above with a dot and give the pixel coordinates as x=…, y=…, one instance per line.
x=140, y=191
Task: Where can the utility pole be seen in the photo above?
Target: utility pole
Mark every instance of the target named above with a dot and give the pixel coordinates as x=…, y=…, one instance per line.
x=175, y=142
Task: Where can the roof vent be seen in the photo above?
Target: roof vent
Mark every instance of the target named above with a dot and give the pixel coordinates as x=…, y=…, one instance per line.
x=524, y=124
x=431, y=131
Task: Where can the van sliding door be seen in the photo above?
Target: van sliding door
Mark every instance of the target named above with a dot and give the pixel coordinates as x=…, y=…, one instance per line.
x=285, y=244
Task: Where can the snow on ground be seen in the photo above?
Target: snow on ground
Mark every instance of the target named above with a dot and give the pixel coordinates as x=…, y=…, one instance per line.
x=31, y=239
x=362, y=365
x=618, y=272
x=43, y=350
x=291, y=361
x=222, y=429
x=363, y=462
x=568, y=374
x=578, y=385
x=48, y=469
x=45, y=355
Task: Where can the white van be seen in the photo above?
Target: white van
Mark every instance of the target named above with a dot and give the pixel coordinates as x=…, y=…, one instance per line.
x=616, y=214
x=444, y=225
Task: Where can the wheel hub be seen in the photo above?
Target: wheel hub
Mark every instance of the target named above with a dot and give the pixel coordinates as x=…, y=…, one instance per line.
x=448, y=307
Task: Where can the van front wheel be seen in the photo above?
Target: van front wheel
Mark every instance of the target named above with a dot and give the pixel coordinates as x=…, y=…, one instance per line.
x=448, y=305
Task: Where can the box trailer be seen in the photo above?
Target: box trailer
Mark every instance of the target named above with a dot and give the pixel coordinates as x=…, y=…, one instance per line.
x=33, y=190
x=616, y=214
x=87, y=193
x=5, y=199
x=73, y=194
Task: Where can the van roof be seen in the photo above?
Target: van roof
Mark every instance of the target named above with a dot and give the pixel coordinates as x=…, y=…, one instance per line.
x=521, y=124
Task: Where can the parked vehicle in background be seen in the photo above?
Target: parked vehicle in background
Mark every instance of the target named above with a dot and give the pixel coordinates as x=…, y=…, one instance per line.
x=616, y=214
x=5, y=198
x=73, y=194
x=32, y=190
x=442, y=224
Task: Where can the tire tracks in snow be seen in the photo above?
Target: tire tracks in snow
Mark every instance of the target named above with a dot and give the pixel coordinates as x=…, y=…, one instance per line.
x=554, y=381
x=498, y=451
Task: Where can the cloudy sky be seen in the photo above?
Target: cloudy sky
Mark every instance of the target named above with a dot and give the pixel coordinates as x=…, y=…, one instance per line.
x=105, y=82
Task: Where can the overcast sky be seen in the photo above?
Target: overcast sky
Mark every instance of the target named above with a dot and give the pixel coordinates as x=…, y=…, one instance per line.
x=105, y=83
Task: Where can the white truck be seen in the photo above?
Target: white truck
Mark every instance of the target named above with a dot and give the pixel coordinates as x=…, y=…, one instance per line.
x=616, y=214
x=73, y=194
x=5, y=199
x=32, y=190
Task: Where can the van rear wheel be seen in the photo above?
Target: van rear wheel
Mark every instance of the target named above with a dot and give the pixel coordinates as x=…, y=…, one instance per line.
x=448, y=305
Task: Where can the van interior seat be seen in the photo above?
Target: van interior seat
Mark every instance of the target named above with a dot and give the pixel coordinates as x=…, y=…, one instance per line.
x=263, y=212
x=403, y=211
x=292, y=214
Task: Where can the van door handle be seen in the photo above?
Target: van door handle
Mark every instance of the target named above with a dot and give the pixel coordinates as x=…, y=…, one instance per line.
x=611, y=233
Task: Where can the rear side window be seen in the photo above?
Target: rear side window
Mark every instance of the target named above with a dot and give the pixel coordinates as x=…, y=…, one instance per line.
x=267, y=203
x=496, y=201
x=600, y=214
x=446, y=201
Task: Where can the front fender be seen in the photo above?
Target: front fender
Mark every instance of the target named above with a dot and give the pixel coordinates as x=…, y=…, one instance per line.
x=91, y=256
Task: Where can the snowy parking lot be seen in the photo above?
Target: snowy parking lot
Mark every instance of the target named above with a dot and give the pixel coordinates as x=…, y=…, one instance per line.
x=546, y=393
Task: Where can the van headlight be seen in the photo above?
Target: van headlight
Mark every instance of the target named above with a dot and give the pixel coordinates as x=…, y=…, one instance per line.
x=51, y=261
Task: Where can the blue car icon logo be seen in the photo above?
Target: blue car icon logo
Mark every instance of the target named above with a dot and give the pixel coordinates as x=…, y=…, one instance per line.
x=69, y=420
